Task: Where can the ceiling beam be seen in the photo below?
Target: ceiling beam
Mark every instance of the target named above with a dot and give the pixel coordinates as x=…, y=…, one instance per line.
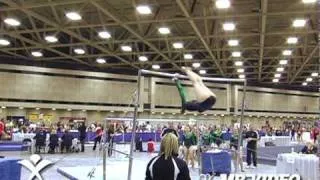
x=198, y=33
x=264, y=9
x=307, y=59
x=133, y=32
x=71, y=33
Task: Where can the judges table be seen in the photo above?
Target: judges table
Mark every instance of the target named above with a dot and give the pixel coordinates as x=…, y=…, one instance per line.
x=217, y=162
x=21, y=136
x=306, y=165
x=10, y=169
x=277, y=140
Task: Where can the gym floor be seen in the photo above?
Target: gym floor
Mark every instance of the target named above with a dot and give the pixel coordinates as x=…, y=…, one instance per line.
x=79, y=165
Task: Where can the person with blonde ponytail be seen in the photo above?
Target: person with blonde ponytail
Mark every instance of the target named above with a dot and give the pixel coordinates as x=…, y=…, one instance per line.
x=167, y=166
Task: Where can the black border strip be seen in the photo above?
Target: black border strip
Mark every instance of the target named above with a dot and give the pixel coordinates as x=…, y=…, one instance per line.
x=271, y=111
x=178, y=107
x=292, y=94
x=65, y=102
x=68, y=75
x=188, y=85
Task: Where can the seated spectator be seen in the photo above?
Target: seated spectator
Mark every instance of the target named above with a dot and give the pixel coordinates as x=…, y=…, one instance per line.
x=309, y=148
x=166, y=165
x=66, y=141
x=40, y=138
x=54, y=140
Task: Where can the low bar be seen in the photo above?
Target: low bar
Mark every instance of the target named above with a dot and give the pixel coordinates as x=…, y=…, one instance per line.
x=143, y=71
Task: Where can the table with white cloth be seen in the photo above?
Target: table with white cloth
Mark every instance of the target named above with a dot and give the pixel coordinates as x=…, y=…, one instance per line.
x=277, y=140
x=306, y=165
x=21, y=136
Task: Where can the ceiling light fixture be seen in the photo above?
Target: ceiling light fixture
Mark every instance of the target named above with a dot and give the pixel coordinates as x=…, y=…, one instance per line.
x=222, y=4
x=143, y=9
x=3, y=107
x=126, y=48
x=277, y=75
x=79, y=51
x=36, y=54
x=242, y=76
x=292, y=40
x=229, y=26
x=53, y=109
x=104, y=34
x=74, y=16
x=164, y=30
x=69, y=109
x=280, y=69
x=309, y=79
x=143, y=58
x=101, y=60
x=275, y=80
x=196, y=65
x=12, y=22
x=155, y=66
x=299, y=23
x=240, y=70
x=177, y=45
x=283, y=62
x=51, y=39
x=309, y=1
x=37, y=108
x=287, y=52
x=4, y=42
x=233, y=42
x=236, y=54
x=202, y=72
x=315, y=74
x=21, y=107
x=304, y=84
x=238, y=63
x=188, y=56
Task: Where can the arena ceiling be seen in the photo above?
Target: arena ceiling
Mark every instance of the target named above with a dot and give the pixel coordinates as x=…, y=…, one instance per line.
x=262, y=28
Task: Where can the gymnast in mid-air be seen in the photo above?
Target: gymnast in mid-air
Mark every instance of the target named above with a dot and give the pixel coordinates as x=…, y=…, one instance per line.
x=205, y=98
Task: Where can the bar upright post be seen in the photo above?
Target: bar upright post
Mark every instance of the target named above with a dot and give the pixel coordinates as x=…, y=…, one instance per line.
x=136, y=108
x=241, y=121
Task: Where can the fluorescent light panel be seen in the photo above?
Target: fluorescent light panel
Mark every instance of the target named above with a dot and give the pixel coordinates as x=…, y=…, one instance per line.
x=188, y=56
x=280, y=69
x=309, y=79
x=164, y=30
x=155, y=66
x=240, y=70
x=283, y=62
x=275, y=80
x=287, y=52
x=79, y=51
x=202, y=71
x=292, y=40
x=36, y=54
x=315, y=74
x=143, y=9
x=101, y=60
x=299, y=23
x=277, y=75
x=238, y=63
x=177, y=45
x=12, y=22
x=104, y=34
x=242, y=76
x=126, y=48
x=196, y=65
x=309, y=1
x=51, y=39
x=229, y=26
x=222, y=4
x=74, y=16
x=143, y=58
x=233, y=42
x=4, y=42
x=304, y=84
x=236, y=54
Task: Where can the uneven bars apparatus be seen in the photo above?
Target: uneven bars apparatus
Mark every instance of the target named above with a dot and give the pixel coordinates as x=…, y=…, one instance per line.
x=137, y=102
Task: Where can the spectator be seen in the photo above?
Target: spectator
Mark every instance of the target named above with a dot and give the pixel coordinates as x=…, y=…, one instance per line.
x=309, y=148
x=66, y=141
x=151, y=145
x=166, y=165
x=315, y=133
x=237, y=157
x=2, y=128
x=293, y=134
x=40, y=138
x=97, y=139
x=252, y=138
x=170, y=129
x=189, y=140
x=53, y=141
x=82, y=131
x=110, y=133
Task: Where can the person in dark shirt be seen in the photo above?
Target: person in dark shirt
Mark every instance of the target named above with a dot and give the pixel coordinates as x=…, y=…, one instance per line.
x=53, y=141
x=309, y=148
x=66, y=141
x=82, y=137
x=40, y=138
x=170, y=129
x=167, y=166
x=252, y=138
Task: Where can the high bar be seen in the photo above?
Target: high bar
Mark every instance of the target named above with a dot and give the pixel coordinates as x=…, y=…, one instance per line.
x=143, y=71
